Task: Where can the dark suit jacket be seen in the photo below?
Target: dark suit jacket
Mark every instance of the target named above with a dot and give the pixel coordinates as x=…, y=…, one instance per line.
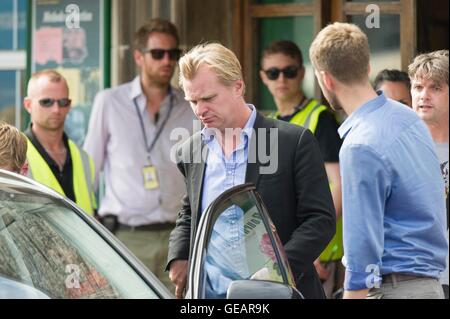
x=297, y=196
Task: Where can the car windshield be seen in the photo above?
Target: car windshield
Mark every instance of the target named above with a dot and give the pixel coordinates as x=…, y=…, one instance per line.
x=48, y=251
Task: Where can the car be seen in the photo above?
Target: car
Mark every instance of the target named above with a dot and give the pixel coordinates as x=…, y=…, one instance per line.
x=50, y=248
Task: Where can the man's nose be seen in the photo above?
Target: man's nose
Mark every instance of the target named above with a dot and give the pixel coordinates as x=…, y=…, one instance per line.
x=281, y=77
x=425, y=94
x=55, y=108
x=201, y=109
x=166, y=58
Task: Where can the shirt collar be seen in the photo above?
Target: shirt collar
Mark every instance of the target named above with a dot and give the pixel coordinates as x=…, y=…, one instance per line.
x=208, y=134
x=136, y=94
x=360, y=113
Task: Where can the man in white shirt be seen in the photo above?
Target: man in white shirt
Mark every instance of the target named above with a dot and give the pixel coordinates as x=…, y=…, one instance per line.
x=129, y=140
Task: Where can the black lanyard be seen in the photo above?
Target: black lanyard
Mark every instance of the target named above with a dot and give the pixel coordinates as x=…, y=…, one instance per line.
x=150, y=147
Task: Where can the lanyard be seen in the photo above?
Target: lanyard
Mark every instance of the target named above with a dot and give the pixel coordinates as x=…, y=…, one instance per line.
x=150, y=147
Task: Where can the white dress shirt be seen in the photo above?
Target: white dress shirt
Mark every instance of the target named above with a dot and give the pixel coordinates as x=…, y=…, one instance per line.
x=116, y=143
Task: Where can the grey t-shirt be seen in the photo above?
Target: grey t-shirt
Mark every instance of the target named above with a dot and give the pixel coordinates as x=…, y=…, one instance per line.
x=442, y=153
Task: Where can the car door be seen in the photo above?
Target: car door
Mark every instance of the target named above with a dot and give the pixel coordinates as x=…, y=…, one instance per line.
x=237, y=252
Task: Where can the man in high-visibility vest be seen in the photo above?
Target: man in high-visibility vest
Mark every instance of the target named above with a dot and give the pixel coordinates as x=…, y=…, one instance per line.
x=282, y=71
x=54, y=160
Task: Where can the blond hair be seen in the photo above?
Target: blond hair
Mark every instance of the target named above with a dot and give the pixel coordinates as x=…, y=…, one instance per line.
x=52, y=75
x=220, y=59
x=342, y=50
x=13, y=148
x=432, y=65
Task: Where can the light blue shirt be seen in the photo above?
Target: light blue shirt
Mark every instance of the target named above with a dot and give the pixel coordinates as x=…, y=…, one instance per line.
x=393, y=195
x=225, y=259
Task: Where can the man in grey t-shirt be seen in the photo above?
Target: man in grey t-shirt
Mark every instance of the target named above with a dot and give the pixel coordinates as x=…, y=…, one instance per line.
x=429, y=90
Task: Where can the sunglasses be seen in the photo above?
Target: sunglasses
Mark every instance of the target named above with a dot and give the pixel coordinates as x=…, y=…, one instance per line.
x=48, y=102
x=289, y=72
x=158, y=54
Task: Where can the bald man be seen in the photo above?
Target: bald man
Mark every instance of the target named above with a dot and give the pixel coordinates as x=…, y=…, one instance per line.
x=54, y=159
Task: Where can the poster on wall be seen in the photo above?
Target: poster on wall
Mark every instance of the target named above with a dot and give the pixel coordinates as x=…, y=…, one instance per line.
x=68, y=37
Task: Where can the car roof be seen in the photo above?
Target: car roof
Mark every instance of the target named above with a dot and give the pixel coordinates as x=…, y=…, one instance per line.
x=12, y=180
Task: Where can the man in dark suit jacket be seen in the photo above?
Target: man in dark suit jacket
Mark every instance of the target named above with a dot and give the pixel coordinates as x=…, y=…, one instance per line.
x=293, y=185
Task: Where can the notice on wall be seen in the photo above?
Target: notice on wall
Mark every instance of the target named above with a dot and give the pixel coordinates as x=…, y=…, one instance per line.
x=49, y=46
x=68, y=37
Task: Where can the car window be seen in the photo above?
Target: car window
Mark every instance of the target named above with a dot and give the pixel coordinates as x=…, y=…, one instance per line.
x=48, y=247
x=241, y=244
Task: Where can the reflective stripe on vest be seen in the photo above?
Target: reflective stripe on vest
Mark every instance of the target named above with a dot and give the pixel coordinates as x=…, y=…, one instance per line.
x=81, y=165
x=309, y=118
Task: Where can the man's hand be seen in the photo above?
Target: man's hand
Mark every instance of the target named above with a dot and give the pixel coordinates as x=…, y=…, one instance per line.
x=356, y=294
x=178, y=276
x=262, y=274
x=322, y=271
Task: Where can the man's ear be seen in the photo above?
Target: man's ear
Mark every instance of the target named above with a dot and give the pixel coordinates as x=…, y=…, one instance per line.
x=239, y=88
x=27, y=104
x=24, y=169
x=327, y=80
x=138, y=57
x=302, y=73
x=263, y=77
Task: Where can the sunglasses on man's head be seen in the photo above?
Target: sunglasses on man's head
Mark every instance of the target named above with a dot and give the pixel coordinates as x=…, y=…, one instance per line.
x=158, y=54
x=48, y=102
x=289, y=72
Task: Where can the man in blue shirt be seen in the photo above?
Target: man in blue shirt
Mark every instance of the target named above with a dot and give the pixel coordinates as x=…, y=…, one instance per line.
x=393, y=196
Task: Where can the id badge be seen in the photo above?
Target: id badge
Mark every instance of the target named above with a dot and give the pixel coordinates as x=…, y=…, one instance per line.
x=150, y=177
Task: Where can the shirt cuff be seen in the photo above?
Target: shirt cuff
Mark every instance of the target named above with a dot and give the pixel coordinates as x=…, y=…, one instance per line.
x=355, y=280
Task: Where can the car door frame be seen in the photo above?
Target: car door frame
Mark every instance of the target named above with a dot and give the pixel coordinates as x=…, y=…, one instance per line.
x=207, y=220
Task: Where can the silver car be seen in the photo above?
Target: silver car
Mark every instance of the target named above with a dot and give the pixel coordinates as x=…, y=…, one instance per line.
x=50, y=248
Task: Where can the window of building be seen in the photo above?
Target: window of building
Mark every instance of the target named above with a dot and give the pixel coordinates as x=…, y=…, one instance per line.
x=12, y=59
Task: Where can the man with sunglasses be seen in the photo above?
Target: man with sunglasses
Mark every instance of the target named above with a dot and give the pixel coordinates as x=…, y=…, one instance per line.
x=129, y=140
x=55, y=160
x=283, y=73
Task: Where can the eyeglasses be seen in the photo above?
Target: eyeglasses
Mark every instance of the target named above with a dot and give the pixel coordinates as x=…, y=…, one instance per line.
x=48, y=102
x=158, y=54
x=289, y=72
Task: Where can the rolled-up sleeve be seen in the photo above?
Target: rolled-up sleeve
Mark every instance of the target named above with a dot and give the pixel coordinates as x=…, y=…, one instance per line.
x=366, y=185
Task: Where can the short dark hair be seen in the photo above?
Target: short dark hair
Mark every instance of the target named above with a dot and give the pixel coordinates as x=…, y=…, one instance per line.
x=393, y=76
x=286, y=47
x=155, y=25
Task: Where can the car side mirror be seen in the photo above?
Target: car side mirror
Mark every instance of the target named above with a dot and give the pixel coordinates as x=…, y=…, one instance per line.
x=261, y=289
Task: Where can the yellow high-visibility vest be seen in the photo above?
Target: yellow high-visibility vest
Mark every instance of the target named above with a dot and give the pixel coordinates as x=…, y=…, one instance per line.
x=308, y=117
x=82, y=167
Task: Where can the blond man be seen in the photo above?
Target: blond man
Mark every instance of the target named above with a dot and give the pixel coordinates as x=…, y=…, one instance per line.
x=390, y=176
x=13, y=149
x=429, y=76
x=295, y=190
